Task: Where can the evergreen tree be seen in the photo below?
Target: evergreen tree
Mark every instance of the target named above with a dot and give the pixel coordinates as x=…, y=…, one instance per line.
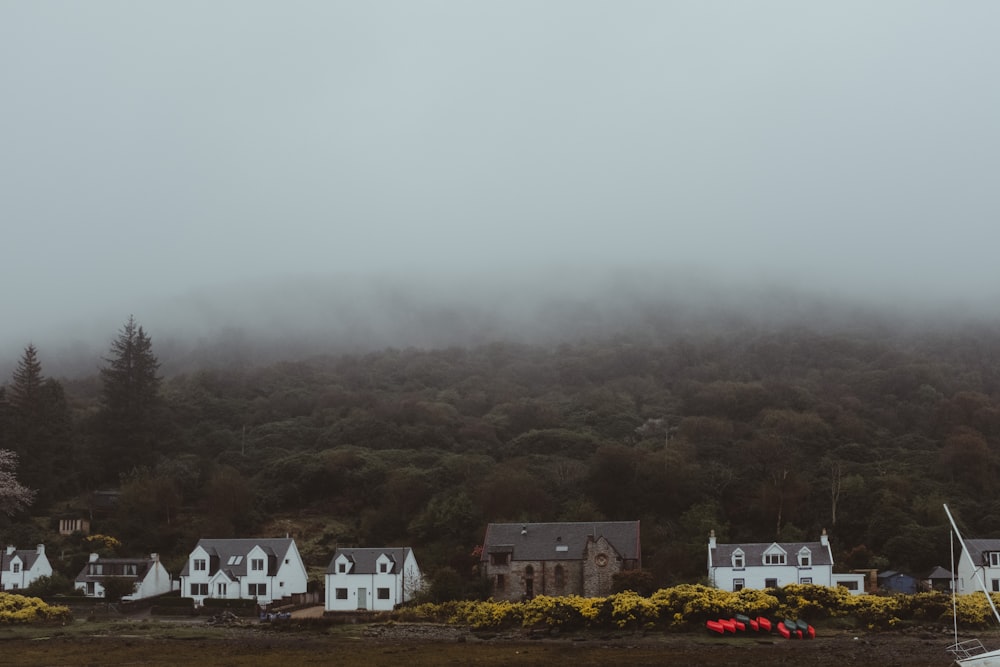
x=38, y=426
x=130, y=400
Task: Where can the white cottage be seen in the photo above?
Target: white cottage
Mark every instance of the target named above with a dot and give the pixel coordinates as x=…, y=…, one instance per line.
x=264, y=570
x=986, y=556
x=148, y=576
x=19, y=568
x=376, y=579
x=734, y=567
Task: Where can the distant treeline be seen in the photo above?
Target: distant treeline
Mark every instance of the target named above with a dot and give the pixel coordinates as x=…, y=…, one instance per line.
x=757, y=434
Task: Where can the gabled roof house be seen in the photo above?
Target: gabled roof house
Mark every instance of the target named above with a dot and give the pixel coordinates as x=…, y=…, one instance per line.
x=148, y=576
x=985, y=554
x=762, y=565
x=19, y=568
x=376, y=579
x=260, y=569
x=521, y=560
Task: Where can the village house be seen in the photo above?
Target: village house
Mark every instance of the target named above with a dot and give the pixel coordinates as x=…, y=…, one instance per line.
x=19, y=568
x=376, y=579
x=985, y=554
x=148, y=576
x=521, y=560
x=734, y=567
x=264, y=570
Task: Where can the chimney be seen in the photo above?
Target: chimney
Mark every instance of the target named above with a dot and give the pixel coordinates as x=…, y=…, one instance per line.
x=40, y=549
x=94, y=557
x=711, y=539
x=823, y=539
x=154, y=557
x=11, y=549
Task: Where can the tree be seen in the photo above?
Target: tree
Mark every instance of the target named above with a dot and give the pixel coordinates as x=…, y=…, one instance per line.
x=130, y=399
x=14, y=496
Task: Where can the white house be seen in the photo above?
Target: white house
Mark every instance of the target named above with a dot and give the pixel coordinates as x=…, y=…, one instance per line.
x=19, y=568
x=986, y=556
x=376, y=579
x=148, y=575
x=761, y=565
x=265, y=570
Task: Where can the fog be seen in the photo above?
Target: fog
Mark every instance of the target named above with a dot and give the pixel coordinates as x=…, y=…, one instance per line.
x=349, y=175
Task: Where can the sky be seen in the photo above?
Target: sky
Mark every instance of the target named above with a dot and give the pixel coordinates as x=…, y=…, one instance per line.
x=164, y=152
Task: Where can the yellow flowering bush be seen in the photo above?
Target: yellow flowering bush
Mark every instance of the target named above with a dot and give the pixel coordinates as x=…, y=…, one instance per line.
x=811, y=602
x=15, y=609
x=876, y=611
x=629, y=609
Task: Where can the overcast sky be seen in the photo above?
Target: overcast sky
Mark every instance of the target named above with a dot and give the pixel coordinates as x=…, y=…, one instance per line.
x=155, y=149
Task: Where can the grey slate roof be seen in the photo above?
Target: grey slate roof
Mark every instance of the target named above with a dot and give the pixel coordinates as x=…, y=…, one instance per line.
x=538, y=541
x=27, y=556
x=722, y=554
x=940, y=573
x=364, y=559
x=223, y=550
x=142, y=567
x=978, y=547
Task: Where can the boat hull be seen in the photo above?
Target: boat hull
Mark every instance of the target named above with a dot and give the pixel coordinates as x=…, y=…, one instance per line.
x=991, y=659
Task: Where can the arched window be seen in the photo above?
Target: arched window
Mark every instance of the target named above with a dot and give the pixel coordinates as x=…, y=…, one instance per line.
x=559, y=576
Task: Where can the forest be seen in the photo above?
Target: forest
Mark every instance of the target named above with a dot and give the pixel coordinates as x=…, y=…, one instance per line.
x=759, y=433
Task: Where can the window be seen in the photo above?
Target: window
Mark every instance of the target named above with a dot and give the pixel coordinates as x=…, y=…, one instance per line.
x=257, y=590
x=199, y=564
x=15, y=567
x=96, y=568
x=806, y=580
x=341, y=593
x=738, y=584
x=199, y=589
x=257, y=564
x=383, y=594
x=220, y=589
x=738, y=559
x=774, y=559
x=500, y=582
x=129, y=569
x=13, y=587
x=849, y=585
x=770, y=583
x=234, y=560
x=560, y=576
x=996, y=585
x=995, y=559
x=342, y=567
x=383, y=567
x=498, y=559
x=804, y=560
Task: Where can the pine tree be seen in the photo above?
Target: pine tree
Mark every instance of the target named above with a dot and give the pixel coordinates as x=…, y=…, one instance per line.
x=25, y=392
x=37, y=426
x=131, y=399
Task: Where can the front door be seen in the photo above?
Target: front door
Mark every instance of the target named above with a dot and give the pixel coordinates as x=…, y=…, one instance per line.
x=362, y=598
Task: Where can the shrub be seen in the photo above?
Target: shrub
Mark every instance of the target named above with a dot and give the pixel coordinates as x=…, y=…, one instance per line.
x=16, y=609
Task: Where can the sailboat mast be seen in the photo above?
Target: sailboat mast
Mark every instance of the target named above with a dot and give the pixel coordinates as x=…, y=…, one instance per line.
x=975, y=570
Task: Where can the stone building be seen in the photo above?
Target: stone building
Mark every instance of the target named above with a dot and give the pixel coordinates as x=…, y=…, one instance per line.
x=522, y=560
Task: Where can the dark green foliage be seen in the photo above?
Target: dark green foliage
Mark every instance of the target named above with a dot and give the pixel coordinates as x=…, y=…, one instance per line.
x=757, y=435
x=130, y=417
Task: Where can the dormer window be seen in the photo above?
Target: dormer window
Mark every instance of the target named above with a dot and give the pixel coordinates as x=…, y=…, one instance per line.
x=995, y=559
x=342, y=567
x=774, y=558
x=739, y=559
x=805, y=557
x=383, y=567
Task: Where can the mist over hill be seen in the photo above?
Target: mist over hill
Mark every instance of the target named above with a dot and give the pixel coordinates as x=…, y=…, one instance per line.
x=240, y=325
